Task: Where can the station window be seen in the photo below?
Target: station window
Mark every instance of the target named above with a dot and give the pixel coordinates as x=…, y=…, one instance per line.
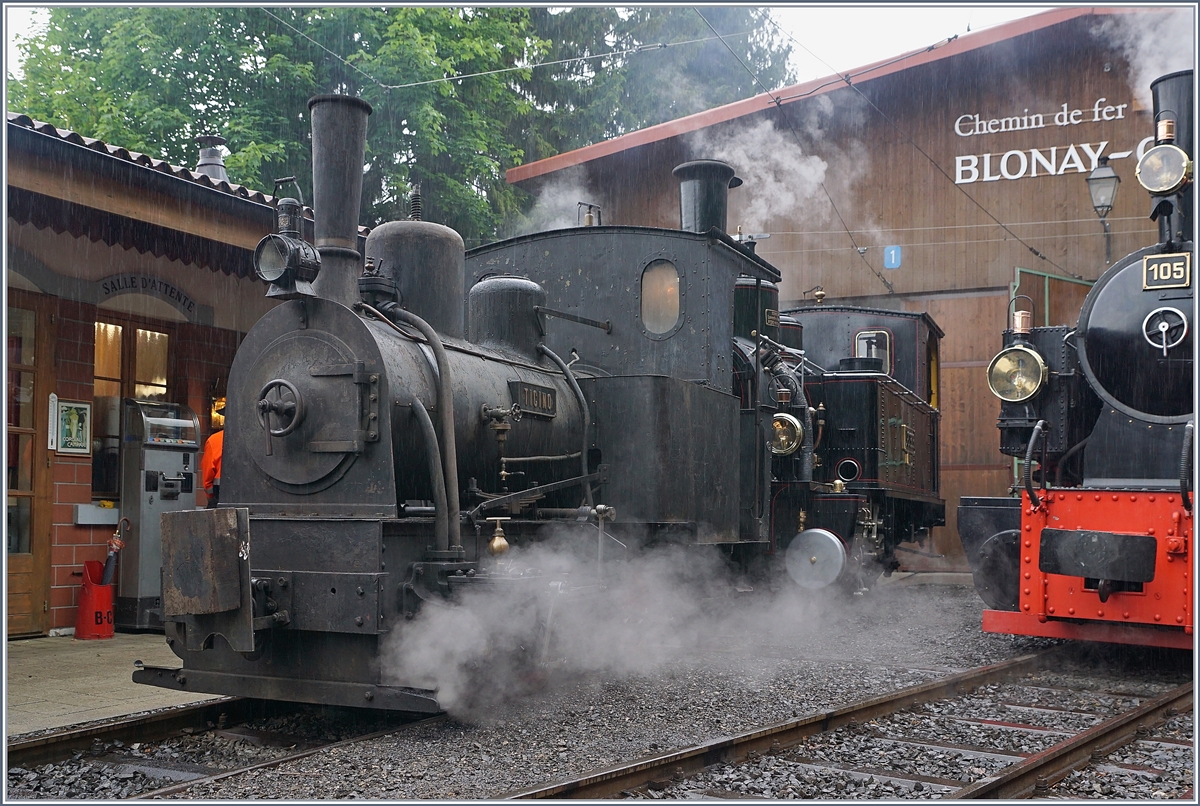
x=123, y=368
x=874, y=344
x=660, y=296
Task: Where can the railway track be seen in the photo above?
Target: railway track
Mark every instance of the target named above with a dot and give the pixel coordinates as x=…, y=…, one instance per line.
x=166, y=751
x=707, y=770
x=1065, y=739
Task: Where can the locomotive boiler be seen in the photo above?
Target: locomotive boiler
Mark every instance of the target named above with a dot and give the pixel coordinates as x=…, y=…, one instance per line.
x=408, y=413
x=1098, y=545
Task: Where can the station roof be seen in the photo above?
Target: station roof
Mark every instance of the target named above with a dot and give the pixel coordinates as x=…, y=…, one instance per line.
x=61, y=180
x=809, y=89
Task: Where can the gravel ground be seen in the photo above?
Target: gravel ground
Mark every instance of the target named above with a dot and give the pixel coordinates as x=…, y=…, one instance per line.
x=763, y=661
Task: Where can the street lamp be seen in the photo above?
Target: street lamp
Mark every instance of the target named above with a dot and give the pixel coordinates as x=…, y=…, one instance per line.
x=1102, y=185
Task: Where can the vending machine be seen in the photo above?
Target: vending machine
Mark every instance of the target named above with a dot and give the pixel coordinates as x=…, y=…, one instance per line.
x=158, y=474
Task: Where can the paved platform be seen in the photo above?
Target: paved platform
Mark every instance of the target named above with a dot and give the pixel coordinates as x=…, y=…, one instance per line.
x=56, y=682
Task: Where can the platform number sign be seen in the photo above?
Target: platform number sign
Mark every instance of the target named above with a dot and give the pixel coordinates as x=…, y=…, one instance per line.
x=891, y=257
x=1167, y=271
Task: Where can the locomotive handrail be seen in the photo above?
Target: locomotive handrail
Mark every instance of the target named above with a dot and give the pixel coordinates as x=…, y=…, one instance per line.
x=553, y=486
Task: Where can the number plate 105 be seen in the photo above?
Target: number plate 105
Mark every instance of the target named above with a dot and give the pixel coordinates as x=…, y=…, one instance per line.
x=1167, y=271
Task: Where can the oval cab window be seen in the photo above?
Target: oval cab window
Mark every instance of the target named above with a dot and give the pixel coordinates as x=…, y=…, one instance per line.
x=660, y=296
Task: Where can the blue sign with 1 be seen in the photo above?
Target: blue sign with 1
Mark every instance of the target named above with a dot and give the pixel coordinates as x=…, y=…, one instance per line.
x=891, y=257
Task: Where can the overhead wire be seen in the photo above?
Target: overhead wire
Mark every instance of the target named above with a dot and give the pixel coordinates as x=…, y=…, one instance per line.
x=847, y=80
x=862, y=252
x=639, y=49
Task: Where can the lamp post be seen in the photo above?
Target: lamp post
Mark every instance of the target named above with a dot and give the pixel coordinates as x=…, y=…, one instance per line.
x=1102, y=185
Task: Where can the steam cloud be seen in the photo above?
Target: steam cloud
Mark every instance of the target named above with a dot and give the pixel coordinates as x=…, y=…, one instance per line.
x=782, y=170
x=657, y=605
x=1155, y=42
x=556, y=204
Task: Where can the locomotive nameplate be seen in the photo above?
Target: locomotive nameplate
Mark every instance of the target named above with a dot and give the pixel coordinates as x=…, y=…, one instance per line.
x=539, y=401
x=1166, y=271
x=770, y=317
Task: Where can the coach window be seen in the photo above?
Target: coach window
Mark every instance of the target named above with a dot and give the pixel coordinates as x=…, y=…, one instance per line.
x=874, y=344
x=660, y=296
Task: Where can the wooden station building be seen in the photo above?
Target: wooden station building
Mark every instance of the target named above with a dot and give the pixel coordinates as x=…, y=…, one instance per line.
x=889, y=188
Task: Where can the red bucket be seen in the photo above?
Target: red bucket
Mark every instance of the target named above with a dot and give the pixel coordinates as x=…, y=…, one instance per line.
x=94, y=618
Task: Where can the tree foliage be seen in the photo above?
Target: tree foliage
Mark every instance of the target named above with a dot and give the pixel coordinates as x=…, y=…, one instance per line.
x=152, y=79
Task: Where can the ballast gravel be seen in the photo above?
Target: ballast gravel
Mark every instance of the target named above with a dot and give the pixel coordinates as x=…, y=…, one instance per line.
x=759, y=666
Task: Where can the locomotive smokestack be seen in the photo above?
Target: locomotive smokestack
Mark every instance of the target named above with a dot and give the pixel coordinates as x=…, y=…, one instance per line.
x=704, y=194
x=339, y=133
x=211, y=162
x=1173, y=102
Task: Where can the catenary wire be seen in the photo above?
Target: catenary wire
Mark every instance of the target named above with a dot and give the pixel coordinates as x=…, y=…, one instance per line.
x=373, y=80
x=849, y=83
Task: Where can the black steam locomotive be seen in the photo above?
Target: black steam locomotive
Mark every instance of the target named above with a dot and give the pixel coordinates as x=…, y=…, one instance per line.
x=1098, y=546
x=388, y=436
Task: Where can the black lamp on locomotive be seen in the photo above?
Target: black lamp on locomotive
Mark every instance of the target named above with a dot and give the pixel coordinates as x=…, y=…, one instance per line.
x=283, y=259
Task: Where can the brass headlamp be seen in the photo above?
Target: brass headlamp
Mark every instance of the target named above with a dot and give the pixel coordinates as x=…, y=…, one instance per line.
x=786, y=434
x=1017, y=373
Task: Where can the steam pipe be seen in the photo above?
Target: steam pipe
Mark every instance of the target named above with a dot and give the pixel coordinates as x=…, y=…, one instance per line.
x=1037, y=432
x=441, y=523
x=1185, y=466
x=587, y=416
x=445, y=407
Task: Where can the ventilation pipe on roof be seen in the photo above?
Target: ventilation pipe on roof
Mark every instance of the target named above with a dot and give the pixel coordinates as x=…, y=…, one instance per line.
x=704, y=194
x=211, y=162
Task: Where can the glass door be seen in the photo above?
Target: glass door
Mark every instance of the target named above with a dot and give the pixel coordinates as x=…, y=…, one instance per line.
x=28, y=529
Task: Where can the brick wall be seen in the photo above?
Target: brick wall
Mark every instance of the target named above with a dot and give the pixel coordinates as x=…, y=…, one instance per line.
x=71, y=545
x=202, y=359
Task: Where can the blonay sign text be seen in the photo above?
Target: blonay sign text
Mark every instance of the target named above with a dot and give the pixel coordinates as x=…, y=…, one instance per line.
x=1052, y=161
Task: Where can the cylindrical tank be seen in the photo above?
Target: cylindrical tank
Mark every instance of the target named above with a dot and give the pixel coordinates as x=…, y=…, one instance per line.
x=746, y=302
x=502, y=314
x=1131, y=362
x=791, y=332
x=704, y=194
x=329, y=460
x=426, y=262
x=339, y=138
x=1173, y=99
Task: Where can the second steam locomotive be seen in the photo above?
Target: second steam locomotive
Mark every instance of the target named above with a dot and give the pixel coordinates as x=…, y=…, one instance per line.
x=1099, y=546
x=390, y=433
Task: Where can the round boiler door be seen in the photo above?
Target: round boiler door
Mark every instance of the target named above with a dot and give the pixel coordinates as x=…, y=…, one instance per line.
x=815, y=558
x=318, y=366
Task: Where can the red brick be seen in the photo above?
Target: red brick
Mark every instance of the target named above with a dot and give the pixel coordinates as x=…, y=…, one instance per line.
x=62, y=514
x=63, y=575
x=64, y=596
x=72, y=535
x=61, y=617
x=64, y=471
x=62, y=555
x=92, y=551
x=73, y=493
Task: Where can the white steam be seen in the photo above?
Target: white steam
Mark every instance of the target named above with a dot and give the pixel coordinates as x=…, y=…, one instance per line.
x=788, y=170
x=557, y=203
x=1155, y=42
x=654, y=607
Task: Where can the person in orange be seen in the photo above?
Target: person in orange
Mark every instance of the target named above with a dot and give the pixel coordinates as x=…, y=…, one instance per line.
x=210, y=463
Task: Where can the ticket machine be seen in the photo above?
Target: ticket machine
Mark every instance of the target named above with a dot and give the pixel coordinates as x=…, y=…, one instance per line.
x=158, y=474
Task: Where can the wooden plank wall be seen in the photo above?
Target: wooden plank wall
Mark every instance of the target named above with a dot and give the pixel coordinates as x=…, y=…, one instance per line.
x=958, y=262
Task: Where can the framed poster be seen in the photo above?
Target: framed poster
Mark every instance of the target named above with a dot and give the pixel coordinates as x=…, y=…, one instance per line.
x=74, y=428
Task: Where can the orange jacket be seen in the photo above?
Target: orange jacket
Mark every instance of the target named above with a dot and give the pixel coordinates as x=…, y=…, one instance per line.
x=210, y=463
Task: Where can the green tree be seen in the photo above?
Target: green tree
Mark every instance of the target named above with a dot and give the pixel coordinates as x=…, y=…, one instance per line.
x=151, y=79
